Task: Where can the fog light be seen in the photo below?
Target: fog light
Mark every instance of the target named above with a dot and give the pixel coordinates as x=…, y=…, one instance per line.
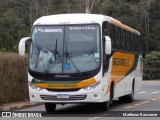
x=95, y=95
x=32, y=96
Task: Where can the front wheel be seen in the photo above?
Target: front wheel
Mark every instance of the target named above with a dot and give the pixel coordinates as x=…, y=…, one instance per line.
x=128, y=98
x=50, y=107
x=105, y=106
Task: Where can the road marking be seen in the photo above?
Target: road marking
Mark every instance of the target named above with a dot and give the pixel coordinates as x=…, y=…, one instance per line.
x=156, y=92
x=157, y=98
x=151, y=80
x=138, y=104
x=154, y=99
x=141, y=103
x=142, y=92
x=94, y=118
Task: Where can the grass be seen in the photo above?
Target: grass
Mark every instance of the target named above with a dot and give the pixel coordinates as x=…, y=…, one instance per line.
x=13, y=78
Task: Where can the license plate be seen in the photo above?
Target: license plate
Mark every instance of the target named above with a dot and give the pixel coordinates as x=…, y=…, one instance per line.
x=62, y=96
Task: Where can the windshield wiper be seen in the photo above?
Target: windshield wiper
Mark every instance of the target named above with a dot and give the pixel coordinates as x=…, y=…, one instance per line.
x=56, y=52
x=74, y=65
x=55, y=56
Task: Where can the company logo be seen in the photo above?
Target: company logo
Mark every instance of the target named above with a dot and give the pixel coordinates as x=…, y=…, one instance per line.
x=62, y=76
x=67, y=85
x=120, y=62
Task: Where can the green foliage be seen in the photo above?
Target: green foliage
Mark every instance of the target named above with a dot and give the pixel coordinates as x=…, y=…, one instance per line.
x=152, y=66
x=2, y=98
x=17, y=17
x=3, y=50
x=143, y=15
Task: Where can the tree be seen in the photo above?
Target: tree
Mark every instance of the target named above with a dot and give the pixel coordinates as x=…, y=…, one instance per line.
x=17, y=17
x=152, y=66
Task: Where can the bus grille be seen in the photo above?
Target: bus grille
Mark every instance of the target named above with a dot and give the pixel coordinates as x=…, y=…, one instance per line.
x=71, y=97
x=63, y=90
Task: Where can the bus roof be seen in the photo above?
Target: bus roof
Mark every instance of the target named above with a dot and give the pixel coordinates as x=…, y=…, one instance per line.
x=69, y=19
x=81, y=18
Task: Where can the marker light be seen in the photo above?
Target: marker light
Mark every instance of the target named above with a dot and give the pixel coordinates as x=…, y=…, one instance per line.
x=91, y=87
x=35, y=87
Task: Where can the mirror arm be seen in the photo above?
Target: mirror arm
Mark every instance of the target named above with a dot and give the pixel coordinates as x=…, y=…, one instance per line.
x=21, y=47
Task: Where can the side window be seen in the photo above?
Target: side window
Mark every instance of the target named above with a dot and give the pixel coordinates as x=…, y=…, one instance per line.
x=123, y=36
x=105, y=32
x=128, y=40
x=118, y=38
x=140, y=45
x=105, y=29
x=136, y=45
x=132, y=42
x=112, y=35
x=125, y=40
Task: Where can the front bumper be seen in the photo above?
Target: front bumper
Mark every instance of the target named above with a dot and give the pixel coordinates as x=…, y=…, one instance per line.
x=80, y=96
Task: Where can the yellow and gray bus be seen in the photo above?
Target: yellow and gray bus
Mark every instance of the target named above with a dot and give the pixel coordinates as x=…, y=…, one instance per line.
x=82, y=58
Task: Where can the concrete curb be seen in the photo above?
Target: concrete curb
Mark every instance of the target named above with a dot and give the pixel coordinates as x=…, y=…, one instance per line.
x=17, y=106
x=151, y=80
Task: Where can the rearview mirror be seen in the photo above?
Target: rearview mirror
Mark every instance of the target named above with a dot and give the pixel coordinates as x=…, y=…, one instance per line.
x=21, y=47
x=107, y=45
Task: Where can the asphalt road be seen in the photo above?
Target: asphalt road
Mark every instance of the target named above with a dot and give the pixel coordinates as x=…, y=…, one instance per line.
x=147, y=99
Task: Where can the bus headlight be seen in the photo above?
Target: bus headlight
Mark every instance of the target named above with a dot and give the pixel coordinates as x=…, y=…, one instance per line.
x=91, y=87
x=35, y=87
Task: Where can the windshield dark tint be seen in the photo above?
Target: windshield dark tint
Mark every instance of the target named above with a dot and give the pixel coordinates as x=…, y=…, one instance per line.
x=65, y=49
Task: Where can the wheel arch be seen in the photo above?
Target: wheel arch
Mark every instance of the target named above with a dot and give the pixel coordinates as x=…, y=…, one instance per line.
x=133, y=84
x=112, y=87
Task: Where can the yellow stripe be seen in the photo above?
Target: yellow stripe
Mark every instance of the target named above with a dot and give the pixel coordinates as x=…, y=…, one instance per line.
x=70, y=85
x=94, y=118
x=122, y=26
x=139, y=104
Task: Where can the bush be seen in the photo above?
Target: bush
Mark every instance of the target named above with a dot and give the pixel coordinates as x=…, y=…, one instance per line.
x=152, y=66
x=13, y=78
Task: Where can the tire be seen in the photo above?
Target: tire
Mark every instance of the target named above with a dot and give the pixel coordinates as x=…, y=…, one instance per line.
x=50, y=107
x=128, y=98
x=104, y=106
x=111, y=95
x=122, y=99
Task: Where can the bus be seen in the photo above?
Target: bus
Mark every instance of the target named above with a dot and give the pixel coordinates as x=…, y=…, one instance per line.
x=82, y=58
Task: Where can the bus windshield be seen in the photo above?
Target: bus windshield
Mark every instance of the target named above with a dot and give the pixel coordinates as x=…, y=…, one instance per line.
x=65, y=49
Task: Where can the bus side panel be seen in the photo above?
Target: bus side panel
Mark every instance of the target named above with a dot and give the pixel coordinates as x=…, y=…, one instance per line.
x=124, y=68
x=138, y=74
x=105, y=83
